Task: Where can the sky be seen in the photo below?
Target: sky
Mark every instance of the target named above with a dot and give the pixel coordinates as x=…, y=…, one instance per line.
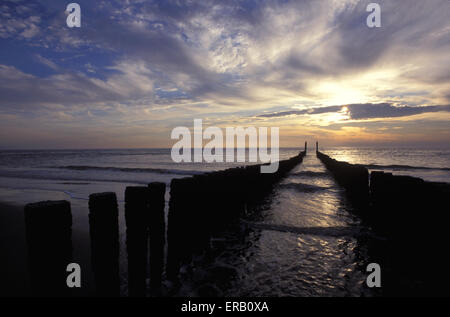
x=135, y=70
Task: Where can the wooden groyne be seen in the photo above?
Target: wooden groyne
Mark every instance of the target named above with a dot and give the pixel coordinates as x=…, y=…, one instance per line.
x=205, y=204
x=199, y=207
x=144, y=216
x=398, y=197
x=104, y=233
x=157, y=233
x=354, y=178
x=412, y=216
x=388, y=198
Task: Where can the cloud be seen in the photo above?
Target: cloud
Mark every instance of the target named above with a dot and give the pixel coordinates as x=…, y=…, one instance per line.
x=385, y=110
x=17, y=22
x=213, y=50
x=45, y=61
x=22, y=90
x=224, y=60
x=363, y=111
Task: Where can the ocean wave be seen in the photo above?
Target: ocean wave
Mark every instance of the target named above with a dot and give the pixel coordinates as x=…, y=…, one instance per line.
x=405, y=167
x=320, y=231
x=130, y=169
x=303, y=187
x=91, y=151
x=69, y=179
x=310, y=174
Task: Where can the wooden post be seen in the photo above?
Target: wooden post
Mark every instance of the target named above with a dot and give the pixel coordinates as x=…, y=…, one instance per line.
x=136, y=218
x=178, y=231
x=317, y=146
x=48, y=233
x=104, y=231
x=157, y=232
x=306, y=146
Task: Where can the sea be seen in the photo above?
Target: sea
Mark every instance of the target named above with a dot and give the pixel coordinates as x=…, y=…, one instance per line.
x=305, y=242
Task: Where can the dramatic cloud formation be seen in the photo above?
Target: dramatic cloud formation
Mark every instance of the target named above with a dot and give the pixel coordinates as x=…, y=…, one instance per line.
x=136, y=69
x=363, y=111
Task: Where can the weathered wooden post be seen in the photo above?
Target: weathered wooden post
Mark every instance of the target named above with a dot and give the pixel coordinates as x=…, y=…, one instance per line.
x=136, y=218
x=317, y=146
x=104, y=231
x=157, y=232
x=49, y=238
x=306, y=146
x=179, y=230
x=201, y=216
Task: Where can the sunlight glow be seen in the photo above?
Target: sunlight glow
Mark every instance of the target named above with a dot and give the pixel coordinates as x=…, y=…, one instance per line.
x=338, y=93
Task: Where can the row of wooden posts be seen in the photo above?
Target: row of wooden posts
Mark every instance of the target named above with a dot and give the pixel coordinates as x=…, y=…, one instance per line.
x=199, y=207
x=354, y=178
x=409, y=217
x=49, y=240
x=385, y=198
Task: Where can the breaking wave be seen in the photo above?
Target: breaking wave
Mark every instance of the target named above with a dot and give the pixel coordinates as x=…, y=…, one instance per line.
x=306, y=188
x=130, y=169
x=405, y=167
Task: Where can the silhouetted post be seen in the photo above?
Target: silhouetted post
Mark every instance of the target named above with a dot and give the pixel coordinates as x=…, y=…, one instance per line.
x=104, y=231
x=49, y=239
x=317, y=146
x=136, y=218
x=306, y=145
x=202, y=221
x=178, y=235
x=157, y=232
